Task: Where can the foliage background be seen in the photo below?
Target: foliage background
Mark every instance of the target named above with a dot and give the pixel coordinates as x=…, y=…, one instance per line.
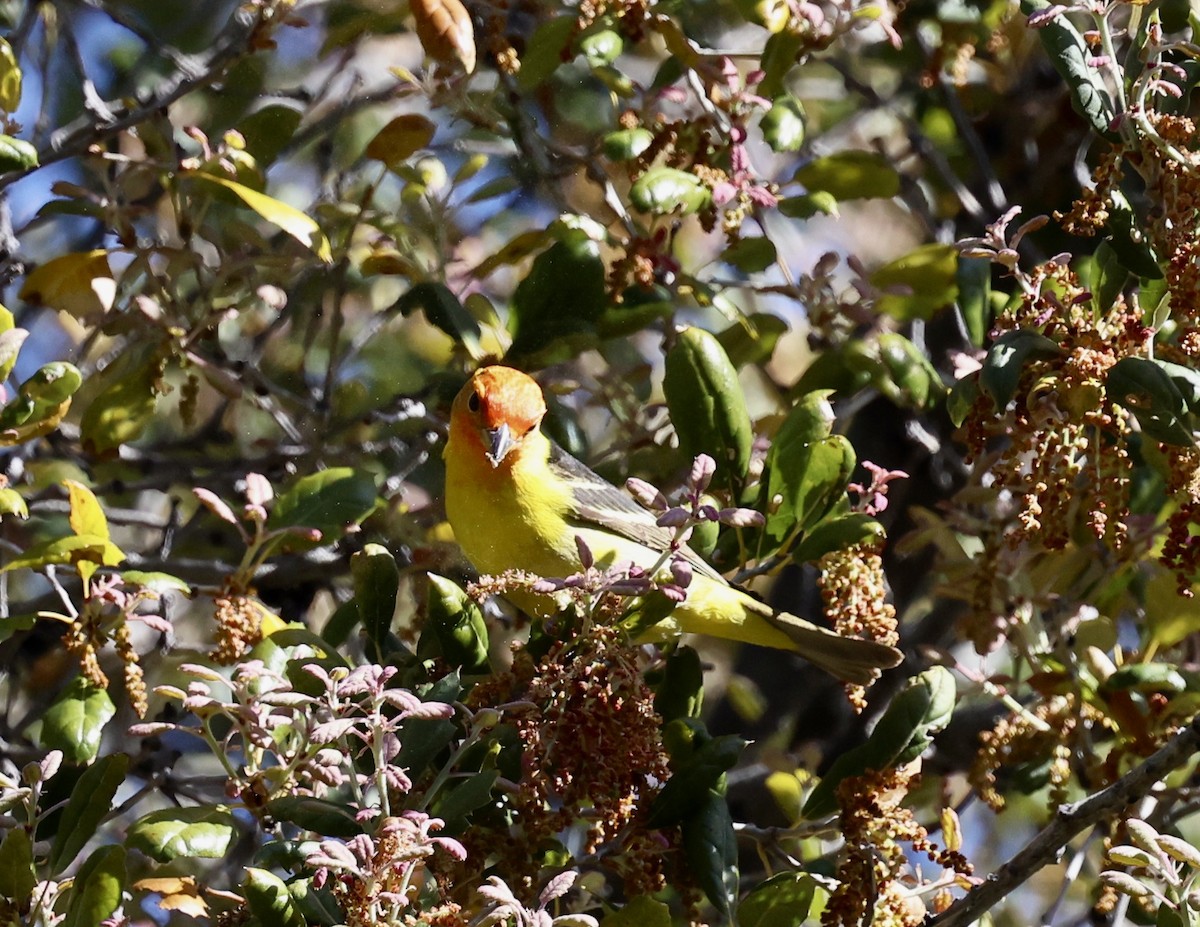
x=251, y=251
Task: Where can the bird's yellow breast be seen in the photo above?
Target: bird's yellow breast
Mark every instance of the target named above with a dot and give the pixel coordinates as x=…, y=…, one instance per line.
x=508, y=516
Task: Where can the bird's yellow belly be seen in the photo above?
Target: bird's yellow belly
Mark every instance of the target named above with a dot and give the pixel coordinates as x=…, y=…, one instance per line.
x=501, y=526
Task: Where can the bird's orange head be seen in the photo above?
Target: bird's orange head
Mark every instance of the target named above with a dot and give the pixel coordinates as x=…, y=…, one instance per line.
x=498, y=408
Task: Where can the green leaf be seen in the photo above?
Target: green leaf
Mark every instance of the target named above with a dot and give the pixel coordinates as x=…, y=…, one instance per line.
x=710, y=848
x=53, y=383
x=455, y=629
x=343, y=620
x=97, y=888
x=1148, y=678
x=155, y=581
x=120, y=412
x=837, y=532
x=1129, y=241
x=400, y=139
x=17, y=878
x=918, y=284
x=1006, y=360
x=772, y=15
x=752, y=339
x=288, y=218
x=13, y=503
x=808, y=467
x=10, y=79
x=783, y=125
x=960, y=400
x=1146, y=390
x=318, y=906
x=779, y=56
x=327, y=818
x=909, y=379
x=40, y=403
x=680, y=694
x=15, y=623
x=442, y=308
x=453, y=805
x=376, y=583
x=16, y=154
x=75, y=722
x=269, y=899
x=663, y=190
x=903, y=733
x=750, y=255
x=75, y=549
x=89, y=804
x=1108, y=278
x=544, y=51
x=1069, y=54
x=268, y=130
x=1186, y=380
x=807, y=205
x=626, y=144
x=172, y=833
x=422, y=739
x=329, y=501
x=546, y=325
x=698, y=762
x=974, y=279
x=706, y=405
x=601, y=47
x=783, y=900
x=851, y=175
x=639, y=911
x=497, y=186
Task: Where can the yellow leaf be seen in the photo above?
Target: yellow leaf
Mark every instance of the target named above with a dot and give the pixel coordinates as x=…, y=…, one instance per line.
x=10, y=79
x=511, y=252
x=80, y=284
x=86, y=515
x=42, y=425
x=785, y=789
x=178, y=894
x=296, y=223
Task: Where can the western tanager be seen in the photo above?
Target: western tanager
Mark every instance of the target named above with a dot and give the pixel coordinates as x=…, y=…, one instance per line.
x=517, y=501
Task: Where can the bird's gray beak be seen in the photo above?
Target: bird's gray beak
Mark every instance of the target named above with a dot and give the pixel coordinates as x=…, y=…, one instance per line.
x=502, y=442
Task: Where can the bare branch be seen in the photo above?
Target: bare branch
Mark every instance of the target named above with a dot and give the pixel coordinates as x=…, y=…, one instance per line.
x=1070, y=821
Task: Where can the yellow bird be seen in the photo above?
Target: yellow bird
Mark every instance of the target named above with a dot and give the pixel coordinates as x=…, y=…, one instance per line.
x=518, y=501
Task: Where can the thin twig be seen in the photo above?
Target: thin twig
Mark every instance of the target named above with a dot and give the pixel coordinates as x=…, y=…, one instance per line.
x=1069, y=822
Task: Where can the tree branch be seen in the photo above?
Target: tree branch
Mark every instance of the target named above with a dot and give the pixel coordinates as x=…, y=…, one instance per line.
x=73, y=141
x=1069, y=822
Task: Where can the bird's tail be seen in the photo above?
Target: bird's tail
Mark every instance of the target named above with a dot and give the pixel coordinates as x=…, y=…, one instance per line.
x=852, y=659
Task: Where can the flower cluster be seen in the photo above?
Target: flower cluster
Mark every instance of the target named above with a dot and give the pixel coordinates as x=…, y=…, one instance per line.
x=377, y=878
x=276, y=740
x=109, y=608
x=854, y=590
x=1047, y=729
x=238, y=614
x=875, y=882
x=591, y=759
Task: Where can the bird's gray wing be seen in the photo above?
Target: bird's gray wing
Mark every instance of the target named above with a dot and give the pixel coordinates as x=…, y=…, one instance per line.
x=598, y=503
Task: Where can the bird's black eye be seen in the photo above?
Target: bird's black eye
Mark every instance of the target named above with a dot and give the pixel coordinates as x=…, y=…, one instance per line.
x=473, y=402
